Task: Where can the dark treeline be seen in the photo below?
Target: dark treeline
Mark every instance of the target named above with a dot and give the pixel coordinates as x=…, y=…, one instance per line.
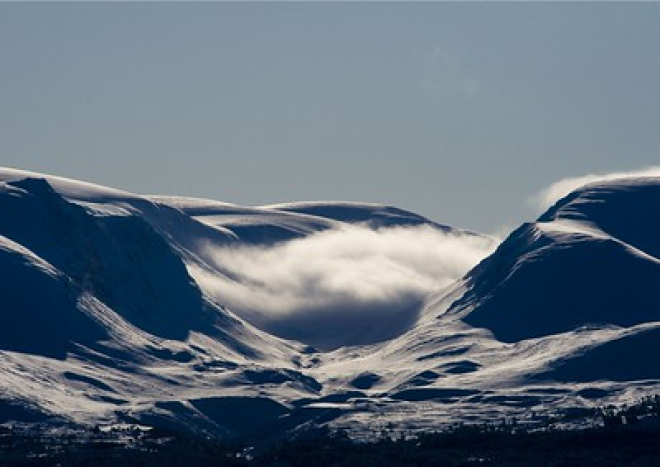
x=628, y=436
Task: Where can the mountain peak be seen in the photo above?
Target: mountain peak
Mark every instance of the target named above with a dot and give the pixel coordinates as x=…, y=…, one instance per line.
x=550, y=276
x=625, y=209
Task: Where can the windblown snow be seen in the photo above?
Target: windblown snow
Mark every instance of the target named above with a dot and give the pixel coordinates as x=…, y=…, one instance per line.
x=197, y=314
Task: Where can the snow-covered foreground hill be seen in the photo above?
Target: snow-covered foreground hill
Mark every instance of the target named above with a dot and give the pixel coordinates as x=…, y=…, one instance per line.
x=208, y=317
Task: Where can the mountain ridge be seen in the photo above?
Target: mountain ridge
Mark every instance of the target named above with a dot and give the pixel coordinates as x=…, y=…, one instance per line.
x=124, y=328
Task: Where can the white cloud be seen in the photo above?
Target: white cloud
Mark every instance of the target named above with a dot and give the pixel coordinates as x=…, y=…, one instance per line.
x=550, y=195
x=346, y=286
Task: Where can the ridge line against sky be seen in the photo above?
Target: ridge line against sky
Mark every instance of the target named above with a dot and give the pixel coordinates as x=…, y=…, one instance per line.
x=454, y=111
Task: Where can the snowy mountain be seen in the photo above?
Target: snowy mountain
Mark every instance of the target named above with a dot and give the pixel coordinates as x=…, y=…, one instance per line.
x=567, y=299
x=203, y=316
x=591, y=259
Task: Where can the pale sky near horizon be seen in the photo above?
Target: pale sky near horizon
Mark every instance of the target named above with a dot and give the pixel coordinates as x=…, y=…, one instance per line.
x=460, y=112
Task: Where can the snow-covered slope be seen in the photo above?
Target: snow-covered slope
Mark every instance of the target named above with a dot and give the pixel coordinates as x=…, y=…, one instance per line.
x=175, y=311
x=39, y=313
x=117, y=258
x=252, y=225
x=589, y=260
x=563, y=306
x=99, y=313
x=371, y=214
x=280, y=222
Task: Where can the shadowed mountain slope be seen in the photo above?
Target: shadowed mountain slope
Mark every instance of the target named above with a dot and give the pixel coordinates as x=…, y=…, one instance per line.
x=117, y=258
x=589, y=260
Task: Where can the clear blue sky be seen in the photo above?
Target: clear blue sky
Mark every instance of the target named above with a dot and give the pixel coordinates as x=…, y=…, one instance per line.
x=457, y=111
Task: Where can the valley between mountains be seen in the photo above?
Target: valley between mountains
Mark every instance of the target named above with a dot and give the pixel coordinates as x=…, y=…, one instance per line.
x=205, y=317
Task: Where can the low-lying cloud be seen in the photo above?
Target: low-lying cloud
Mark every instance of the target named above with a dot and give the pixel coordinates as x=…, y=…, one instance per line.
x=550, y=195
x=348, y=286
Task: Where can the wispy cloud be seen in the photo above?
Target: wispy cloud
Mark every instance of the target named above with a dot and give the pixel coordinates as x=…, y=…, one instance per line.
x=550, y=195
x=347, y=286
x=448, y=73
